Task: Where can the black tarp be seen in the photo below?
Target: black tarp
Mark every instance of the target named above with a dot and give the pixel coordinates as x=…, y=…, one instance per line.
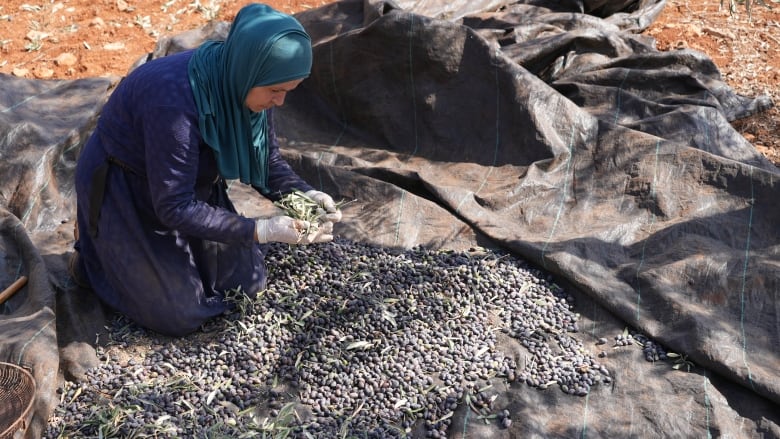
x=555, y=130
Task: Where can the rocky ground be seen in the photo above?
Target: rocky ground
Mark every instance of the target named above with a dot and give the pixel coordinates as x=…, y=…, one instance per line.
x=743, y=39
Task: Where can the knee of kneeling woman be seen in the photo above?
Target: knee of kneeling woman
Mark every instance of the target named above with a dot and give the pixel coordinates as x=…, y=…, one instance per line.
x=180, y=329
x=179, y=322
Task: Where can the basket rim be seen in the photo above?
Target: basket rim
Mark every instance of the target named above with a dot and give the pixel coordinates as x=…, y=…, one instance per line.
x=17, y=424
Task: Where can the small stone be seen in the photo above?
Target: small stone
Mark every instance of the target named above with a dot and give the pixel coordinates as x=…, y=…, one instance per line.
x=43, y=73
x=65, y=59
x=36, y=35
x=114, y=46
x=719, y=33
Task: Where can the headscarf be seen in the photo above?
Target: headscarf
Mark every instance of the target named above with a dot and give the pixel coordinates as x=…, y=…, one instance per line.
x=263, y=47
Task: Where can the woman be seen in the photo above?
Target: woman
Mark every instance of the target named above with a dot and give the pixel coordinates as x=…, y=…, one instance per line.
x=157, y=237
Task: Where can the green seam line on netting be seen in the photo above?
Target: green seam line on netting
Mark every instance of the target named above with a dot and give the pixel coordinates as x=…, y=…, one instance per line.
x=37, y=333
x=496, y=145
x=30, y=98
x=398, y=221
x=744, y=279
x=343, y=120
x=466, y=421
x=34, y=200
x=562, y=203
x=411, y=81
x=585, y=417
x=652, y=225
x=707, y=406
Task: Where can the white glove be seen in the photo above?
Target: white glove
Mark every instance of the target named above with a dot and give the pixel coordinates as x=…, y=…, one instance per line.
x=282, y=228
x=332, y=214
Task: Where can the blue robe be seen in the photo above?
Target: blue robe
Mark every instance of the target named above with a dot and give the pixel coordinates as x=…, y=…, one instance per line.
x=159, y=239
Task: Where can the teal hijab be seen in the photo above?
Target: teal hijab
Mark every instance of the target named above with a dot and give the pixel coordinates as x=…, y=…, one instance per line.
x=263, y=47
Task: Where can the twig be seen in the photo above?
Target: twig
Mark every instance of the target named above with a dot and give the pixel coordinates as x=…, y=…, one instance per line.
x=13, y=289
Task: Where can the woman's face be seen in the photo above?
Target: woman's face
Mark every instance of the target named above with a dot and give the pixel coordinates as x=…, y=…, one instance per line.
x=267, y=96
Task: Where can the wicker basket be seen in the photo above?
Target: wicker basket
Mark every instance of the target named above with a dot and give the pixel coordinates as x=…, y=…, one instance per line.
x=17, y=393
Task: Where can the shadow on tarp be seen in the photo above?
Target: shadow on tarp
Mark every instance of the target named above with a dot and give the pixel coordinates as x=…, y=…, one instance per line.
x=555, y=131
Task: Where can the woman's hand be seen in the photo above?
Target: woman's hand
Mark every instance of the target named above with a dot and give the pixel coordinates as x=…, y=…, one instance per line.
x=332, y=214
x=285, y=229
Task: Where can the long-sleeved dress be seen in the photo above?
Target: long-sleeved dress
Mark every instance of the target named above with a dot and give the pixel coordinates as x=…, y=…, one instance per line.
x=159, y=240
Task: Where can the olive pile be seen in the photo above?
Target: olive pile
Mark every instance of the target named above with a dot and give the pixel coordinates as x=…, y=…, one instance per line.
x=347, y=339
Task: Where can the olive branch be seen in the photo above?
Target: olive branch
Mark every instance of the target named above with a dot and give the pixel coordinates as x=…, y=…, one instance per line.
x=298, y=205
